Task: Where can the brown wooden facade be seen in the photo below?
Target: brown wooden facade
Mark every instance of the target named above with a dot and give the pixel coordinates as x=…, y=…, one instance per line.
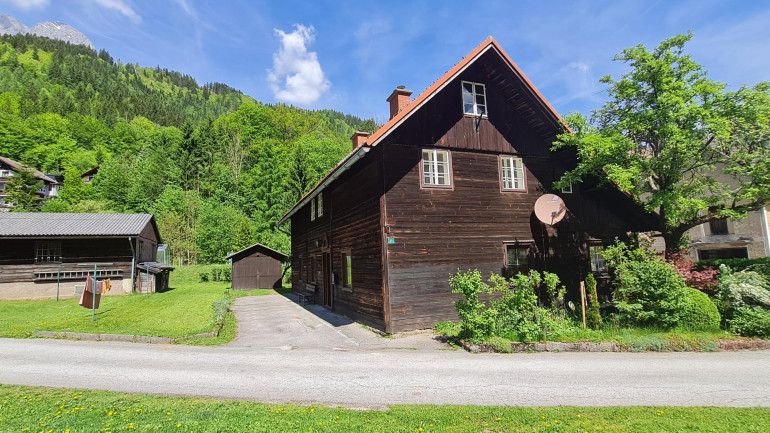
x=405, y=239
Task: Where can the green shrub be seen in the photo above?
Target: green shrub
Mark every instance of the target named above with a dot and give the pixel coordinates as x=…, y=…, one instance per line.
x=593, y=315
x=477, y=320
x=751, y=322
x=699, y=312
x=216, y=273
x=227, y=273
x=737, y=264
x=204, y=277
x=648, y=292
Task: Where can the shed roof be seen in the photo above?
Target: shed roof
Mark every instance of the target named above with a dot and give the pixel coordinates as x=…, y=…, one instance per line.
x=37, y=224
x=257, y=248
x=17, y=166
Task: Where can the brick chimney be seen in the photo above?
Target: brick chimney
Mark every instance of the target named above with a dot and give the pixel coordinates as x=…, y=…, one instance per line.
x=358, y=138
x=398, y=100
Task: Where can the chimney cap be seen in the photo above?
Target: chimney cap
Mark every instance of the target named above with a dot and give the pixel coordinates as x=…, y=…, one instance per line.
x=400, y=90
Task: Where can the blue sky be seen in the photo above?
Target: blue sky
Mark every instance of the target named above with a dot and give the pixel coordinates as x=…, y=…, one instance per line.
x=349, y=55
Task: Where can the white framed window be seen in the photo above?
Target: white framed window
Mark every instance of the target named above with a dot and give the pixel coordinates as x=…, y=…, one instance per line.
x=512, y=174
x=46, y=252
x=6, y=173
x=312, y=209
x=567, y=189
x=598, y=262
x=320, y=207
x=436, y=168
x=474, y=98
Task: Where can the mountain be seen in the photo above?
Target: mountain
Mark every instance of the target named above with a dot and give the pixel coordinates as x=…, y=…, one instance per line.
x=49, y=29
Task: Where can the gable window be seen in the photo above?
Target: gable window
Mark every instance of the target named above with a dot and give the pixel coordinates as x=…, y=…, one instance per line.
x=517, y=258
x=512, y=173
x=312, y=209
x=598, y=262
x=436, y=168
x=567, y=189
x=320, y=207
x=47, y=252
x=474, y=98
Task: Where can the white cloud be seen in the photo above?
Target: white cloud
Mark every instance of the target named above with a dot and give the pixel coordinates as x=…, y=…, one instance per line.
x=121, y=7
x=297, y=76
x=27, y=4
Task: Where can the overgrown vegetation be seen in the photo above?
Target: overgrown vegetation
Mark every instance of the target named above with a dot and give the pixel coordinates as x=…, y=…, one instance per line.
x=655, y=308
x=35, y=409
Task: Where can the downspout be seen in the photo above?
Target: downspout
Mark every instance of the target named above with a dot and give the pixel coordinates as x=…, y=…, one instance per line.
x=766, y=230
x=133, y=261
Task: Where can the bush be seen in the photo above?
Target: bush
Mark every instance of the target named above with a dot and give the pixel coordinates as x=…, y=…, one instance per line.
x=735, y=264
x=698, y=312
x=204, y=277
x=740, y=289
x=477, y=321
x=702, y=278
x=648, y=292
x=216, y=273
x=751, y=322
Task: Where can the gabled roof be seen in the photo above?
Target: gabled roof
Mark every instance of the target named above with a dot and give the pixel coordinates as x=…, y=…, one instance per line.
x=379, y=135
x=17, y=167
x=90, y=172
x=41, y=224
x=258, y=248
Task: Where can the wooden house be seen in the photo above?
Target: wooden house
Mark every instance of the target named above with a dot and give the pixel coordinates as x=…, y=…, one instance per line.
x=9, y=168
x=42, y=253
x=448, y=183
x=257, y=267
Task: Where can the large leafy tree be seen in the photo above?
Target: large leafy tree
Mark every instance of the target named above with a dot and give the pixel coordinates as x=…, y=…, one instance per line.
x=681, y=145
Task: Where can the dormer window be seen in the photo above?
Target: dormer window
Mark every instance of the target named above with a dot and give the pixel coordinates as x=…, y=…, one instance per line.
x=474, y=99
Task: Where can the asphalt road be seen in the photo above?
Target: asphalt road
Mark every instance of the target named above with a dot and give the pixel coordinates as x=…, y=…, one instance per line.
x=373, y=373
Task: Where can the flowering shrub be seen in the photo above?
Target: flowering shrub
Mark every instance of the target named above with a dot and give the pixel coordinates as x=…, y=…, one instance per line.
x=741, y=289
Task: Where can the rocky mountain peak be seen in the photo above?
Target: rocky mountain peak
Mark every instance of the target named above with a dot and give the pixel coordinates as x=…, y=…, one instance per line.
x=49, y=29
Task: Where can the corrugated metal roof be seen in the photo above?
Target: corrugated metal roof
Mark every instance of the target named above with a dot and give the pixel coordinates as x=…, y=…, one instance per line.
x=38, y=224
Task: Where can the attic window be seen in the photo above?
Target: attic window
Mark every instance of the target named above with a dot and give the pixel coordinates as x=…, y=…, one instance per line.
x=474, y=99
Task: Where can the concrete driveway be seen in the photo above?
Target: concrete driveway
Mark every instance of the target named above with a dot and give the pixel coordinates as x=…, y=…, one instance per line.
x=279, y=322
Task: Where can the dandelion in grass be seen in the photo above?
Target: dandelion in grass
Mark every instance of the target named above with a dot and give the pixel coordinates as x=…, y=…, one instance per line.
x=178, y=425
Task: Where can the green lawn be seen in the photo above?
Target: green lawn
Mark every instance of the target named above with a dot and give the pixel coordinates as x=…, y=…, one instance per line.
x=185, y=310
x=27, y=409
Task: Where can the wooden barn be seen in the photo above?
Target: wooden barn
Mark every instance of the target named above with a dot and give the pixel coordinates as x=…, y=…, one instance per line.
x=45, y=253
x=448, y=183
x=257, y=267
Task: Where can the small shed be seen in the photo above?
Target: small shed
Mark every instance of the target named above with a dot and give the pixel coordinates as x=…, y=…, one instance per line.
x=257, y=267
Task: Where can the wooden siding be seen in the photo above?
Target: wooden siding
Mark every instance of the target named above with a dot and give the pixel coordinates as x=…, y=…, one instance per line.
x=17, y=257
x=256, y=271
x=351, y=221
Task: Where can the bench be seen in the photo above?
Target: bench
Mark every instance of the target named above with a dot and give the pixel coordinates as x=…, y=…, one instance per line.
x=307, y=294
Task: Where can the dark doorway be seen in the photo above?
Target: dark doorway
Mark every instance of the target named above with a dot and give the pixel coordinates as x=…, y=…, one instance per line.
x=327, y=280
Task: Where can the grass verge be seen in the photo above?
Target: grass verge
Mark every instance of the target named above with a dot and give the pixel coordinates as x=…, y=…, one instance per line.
x=630, y=339
x=184, y=310
x=35, y=409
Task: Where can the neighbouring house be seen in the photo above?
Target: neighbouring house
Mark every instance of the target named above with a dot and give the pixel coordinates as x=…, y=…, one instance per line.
x=41, y=253
x=88, y=176
x=448, y=183
x=9, y=168
x=728, y=238
x=257, y=267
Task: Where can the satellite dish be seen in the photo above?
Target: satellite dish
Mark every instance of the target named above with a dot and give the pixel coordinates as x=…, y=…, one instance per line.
x=550, y=209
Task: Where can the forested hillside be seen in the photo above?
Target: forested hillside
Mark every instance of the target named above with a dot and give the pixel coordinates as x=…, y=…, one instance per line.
x=217, y=168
